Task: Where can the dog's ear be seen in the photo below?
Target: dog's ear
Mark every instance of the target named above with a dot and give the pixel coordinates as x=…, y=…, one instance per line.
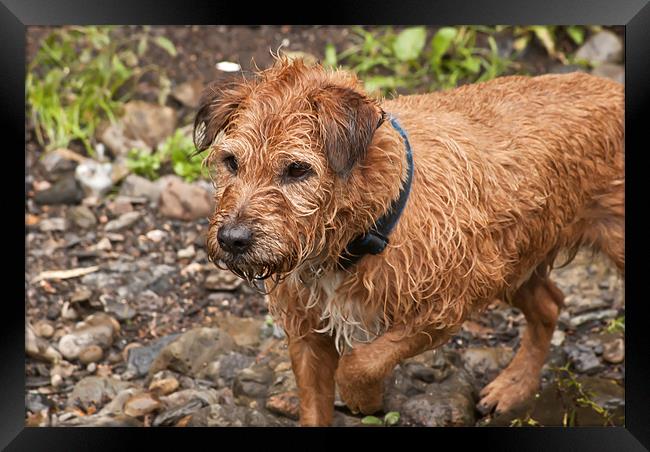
x=218, y=103
x=347, y=121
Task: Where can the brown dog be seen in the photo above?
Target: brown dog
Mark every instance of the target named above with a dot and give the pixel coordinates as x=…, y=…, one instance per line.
x=506, y=175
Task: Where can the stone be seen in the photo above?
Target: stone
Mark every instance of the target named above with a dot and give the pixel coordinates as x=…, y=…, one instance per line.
x=614, y=72
x=253, y=382
x=96, y=391
x=95, y=178
x=156, y=235
x=65, y=191
x=82, y=216
x=52, y=224
x=141, y=404
x=91, y=354
x=137, y=186
x=222, y=280
x=122, y=311
x=604, y=46
x=60, y=161
x=164, y=386
x=150, y=123
x=123, y=221
x=114, y=137
x=139, y=359
x=120, y=206
x=485, y=363
x=189, y=93
x=584, y=359
x=44, y=329
x=579, y=320
x=184, y=201
x=191, y=353
x=614, y=351
x=286, y=404
x=39, y=348
x=558, y=338
x=97, y=329
x=186, y=253
x=245, y=331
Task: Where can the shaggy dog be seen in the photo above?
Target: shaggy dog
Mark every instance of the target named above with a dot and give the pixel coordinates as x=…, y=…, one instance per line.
x=505, y=176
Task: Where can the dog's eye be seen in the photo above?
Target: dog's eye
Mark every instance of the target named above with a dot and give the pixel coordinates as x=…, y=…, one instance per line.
x=297, y=171
x=231, y=163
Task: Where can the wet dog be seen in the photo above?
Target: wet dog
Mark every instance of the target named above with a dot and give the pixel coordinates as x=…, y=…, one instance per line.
x=378, y=227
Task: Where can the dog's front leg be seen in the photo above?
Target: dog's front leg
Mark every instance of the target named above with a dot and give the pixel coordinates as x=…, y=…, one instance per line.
x=362, y=370
x=314, y=360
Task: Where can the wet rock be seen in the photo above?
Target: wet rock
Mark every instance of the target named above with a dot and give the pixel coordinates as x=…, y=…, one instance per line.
x=52, y=224
x=68, y=312
x=91, y=354
x=104, y=245
x=115, y=138
x=185, y=201
x=236, y=416
x=484, y=364
x=65, y=191
x=614, y=72
x=186, y=253
x=94, y=177
x=101, y=421
x=139, y=359
x=449, y=403
x=141, y=404
x=151, y=123
x=614, y=351
x=156, y=235
x=60, y=161
x=39, y=348
x=286, y=404
x=37, y=402
x=164, y=386
x=579, y=320
x=96, y=391
x=604, y=46
x=171, y=417
x=584, y=359
x=227, y=367
x=191, y=353
x=120, y=206
x=579, y=304
x=121, y=310
x=123, y=221
x=188, y=93
x=44, y=329
x=245, y=331
x=97, y=329
x=219, y=280
x=82, y=216
x=136, y=186
x=558, y=338
x=253, y=382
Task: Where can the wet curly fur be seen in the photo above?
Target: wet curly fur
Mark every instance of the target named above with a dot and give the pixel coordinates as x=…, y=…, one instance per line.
x=509, y=175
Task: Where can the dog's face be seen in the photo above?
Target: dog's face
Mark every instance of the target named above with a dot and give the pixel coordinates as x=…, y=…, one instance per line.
x=280, y=146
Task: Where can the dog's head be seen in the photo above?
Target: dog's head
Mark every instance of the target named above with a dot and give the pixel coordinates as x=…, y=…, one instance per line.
x=282, y=147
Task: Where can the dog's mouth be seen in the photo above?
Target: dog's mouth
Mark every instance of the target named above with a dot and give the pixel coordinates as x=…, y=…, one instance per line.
x=256, y=274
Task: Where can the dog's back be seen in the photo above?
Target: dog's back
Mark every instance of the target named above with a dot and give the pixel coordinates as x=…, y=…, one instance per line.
x=522, y=168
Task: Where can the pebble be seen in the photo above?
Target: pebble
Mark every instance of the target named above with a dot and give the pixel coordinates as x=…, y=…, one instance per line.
x=65, y=191
x=286, y=404
x=151, y=123
x=123, y=221
x=220, y=280
x=52, y=224
x=584, y=359
x=136, y=187
x=164, y=386
x=68, y=312
x=44, y=329
x=104, y=245
x=558, y=338
x=97, y=329
x=141, y=404
x=614, y=351
x=95, y=177
x=186, y=253
x=591, y=316
x=91, y=354
x=96, y=390
x=604, y=46
x=39, y=348
x=156, y=235
x=183, y=201
x=82, y=216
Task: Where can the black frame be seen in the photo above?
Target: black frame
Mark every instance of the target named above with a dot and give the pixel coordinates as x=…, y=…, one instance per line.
x=16, y=15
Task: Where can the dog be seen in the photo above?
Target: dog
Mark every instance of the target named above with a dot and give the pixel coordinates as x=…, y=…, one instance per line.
x=479, y=191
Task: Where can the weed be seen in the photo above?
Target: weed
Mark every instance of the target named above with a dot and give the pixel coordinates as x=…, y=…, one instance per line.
x=79, y=77
x=616, y=325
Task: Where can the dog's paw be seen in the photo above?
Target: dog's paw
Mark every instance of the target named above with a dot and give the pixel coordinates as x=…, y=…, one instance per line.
x=510, y=393
x=360, y=389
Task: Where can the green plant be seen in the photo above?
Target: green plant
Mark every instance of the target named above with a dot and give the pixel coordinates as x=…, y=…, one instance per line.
x=79, y=77
x=178, y=150
x=616, y=325
x=386, y=60
x=390, y=418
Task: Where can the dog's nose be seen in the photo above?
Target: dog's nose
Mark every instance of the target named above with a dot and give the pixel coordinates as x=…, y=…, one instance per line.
x=234, y=238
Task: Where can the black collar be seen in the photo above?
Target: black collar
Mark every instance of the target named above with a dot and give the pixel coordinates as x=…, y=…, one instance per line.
x=376, y=239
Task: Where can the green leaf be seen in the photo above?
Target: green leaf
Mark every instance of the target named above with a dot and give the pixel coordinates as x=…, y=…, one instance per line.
x=371, y=420
x=143, y=45
x=391, y=418
x=576, y=33
x=166, y=45
x=545, y=36
x=440, y=43
x=472, y=64
x=409, y=43
x=330, y=55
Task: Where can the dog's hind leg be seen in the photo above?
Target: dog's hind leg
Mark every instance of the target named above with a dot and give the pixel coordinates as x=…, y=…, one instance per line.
x=540, y=301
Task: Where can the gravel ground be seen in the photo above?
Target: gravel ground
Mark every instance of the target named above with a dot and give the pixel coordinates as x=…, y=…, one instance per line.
x=148, y=333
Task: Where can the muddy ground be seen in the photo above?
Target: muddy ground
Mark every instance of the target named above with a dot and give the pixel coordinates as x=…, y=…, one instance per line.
x=152, y=334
